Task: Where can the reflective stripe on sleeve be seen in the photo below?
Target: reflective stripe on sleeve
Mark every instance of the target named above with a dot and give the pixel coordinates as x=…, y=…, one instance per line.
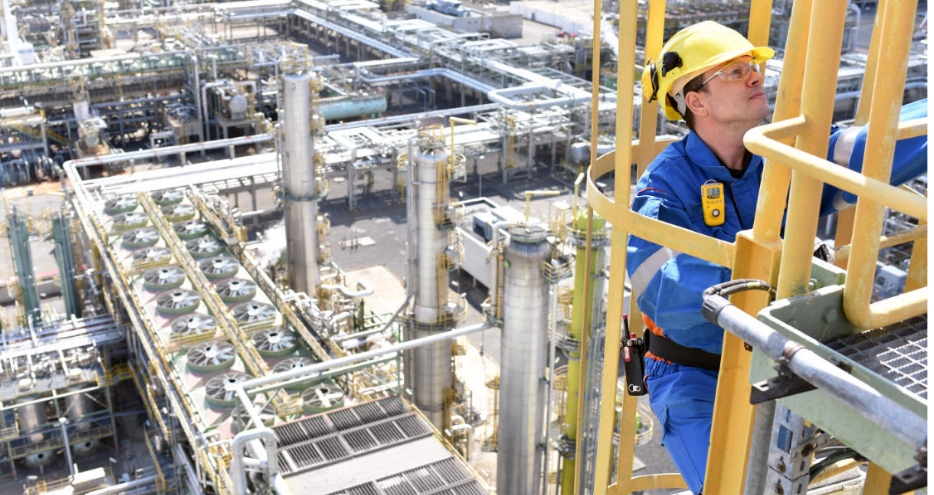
x=640, y=278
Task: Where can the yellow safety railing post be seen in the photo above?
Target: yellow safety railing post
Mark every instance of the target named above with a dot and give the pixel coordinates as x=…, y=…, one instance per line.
x=898, y=19
x=757, y=256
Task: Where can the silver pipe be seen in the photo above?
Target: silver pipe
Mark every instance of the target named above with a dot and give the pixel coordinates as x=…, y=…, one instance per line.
x=298, y=184
x=866, y=401
x=124, y=487
x=365, y=291
x=168, y=150
x=86, y=61
x=759, y=452
x=523, y=359
x=241, y=441
x=409, y=118
x=426, y=73
x=311, y=370
x=206, y=117
x=63, y=422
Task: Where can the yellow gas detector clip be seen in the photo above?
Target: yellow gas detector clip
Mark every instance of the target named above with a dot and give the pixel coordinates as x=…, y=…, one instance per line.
x=712, y=201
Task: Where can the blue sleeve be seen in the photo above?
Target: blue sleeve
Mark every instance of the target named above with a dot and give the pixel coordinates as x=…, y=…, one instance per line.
x=910, y=159
x=674, y=296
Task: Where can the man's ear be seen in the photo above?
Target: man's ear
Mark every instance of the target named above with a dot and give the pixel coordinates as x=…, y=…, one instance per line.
x=696, y=103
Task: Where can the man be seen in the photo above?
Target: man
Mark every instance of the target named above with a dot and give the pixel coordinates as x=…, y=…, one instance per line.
x=708, y=75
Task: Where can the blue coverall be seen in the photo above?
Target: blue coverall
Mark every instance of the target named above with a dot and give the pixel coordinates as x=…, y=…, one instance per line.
x=668, y=285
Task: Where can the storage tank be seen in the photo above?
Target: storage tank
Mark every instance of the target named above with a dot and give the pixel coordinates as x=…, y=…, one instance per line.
x=32, y=419
x=523, y=360
x=78, y=407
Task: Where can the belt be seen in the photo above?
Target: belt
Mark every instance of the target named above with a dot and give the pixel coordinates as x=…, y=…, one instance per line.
x=670, y=350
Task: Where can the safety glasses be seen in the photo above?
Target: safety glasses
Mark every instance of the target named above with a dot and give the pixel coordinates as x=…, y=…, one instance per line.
x=738, y=71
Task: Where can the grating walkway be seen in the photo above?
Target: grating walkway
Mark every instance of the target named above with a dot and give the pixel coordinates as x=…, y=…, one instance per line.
x=897, y=353
x=380, y=447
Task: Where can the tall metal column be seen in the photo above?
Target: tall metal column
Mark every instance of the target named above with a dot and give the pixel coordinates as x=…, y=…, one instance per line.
x=431, y=373
x=299, y=188
x=523, y=361
x=65, y=259
x=22, y=264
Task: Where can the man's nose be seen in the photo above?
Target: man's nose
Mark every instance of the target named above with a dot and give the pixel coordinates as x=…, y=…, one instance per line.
x=754, y=78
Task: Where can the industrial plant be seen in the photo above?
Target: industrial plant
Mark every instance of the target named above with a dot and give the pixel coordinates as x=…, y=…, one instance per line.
x=353, y=247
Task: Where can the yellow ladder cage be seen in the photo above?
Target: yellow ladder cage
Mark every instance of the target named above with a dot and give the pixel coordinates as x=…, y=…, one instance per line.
x=793, y=147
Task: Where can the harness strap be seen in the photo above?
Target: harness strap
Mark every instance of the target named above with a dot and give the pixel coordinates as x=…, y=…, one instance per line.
x=670, y=350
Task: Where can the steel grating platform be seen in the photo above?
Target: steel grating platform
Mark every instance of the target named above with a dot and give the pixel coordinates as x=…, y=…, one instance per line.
x=897, y=353
x=380, y=447
x=891, y=360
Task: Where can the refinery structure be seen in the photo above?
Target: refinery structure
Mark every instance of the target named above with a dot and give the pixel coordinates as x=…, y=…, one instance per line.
x=185, y=134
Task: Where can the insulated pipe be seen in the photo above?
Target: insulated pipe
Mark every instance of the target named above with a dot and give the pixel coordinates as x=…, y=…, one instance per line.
x=422, y=74
x=242, y=440
x=315, y=369
x=206, y=117
x=570, y=95
x=124, y=487
x=169, y=150
x=805, y=363
x=299, y=183
x=86, y=61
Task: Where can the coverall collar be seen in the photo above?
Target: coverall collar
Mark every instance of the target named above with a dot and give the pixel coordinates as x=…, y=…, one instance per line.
x=698, y=152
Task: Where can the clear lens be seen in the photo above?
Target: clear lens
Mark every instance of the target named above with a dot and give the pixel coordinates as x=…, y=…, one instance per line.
x=735, y=72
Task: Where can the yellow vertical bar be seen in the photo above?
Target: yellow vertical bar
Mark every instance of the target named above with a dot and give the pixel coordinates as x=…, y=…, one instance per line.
x=611, y=356
x=897, y=25
x=654, y=31
x=844, y=233
x=918, y=270
x=760, y=18
x=877, y=480
x=872, y=64
x=756, y=256
x=628, y=12
x=819, y=87
x=775, y=178
x=594, y=128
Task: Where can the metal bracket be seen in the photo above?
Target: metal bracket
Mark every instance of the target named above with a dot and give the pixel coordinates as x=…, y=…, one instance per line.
x=783, y=385
x=912, y=478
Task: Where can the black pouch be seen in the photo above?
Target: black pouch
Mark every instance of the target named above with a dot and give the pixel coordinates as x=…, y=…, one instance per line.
x=632, y=354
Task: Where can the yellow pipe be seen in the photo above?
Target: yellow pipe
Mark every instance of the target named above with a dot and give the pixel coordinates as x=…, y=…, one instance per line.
x=918, y=271
x=880, y=148
x=761, y=141
x=587, y=267
x=622, y=160
x=757, y=256
x=819, y=86
x=916, y=234
x=771, y=205
x=594, y=126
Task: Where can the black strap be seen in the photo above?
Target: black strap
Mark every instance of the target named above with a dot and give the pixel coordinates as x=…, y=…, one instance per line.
x=677, y=353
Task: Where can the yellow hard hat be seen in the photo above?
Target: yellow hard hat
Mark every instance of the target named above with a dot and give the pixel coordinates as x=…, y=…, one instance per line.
x=689, y=53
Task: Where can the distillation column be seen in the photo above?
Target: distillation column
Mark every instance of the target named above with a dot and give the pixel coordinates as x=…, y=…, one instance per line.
x=65, y=259
x=299, y=193
x=22, y=265
x=430, y=373
x=523, y=360
x=587, y=282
